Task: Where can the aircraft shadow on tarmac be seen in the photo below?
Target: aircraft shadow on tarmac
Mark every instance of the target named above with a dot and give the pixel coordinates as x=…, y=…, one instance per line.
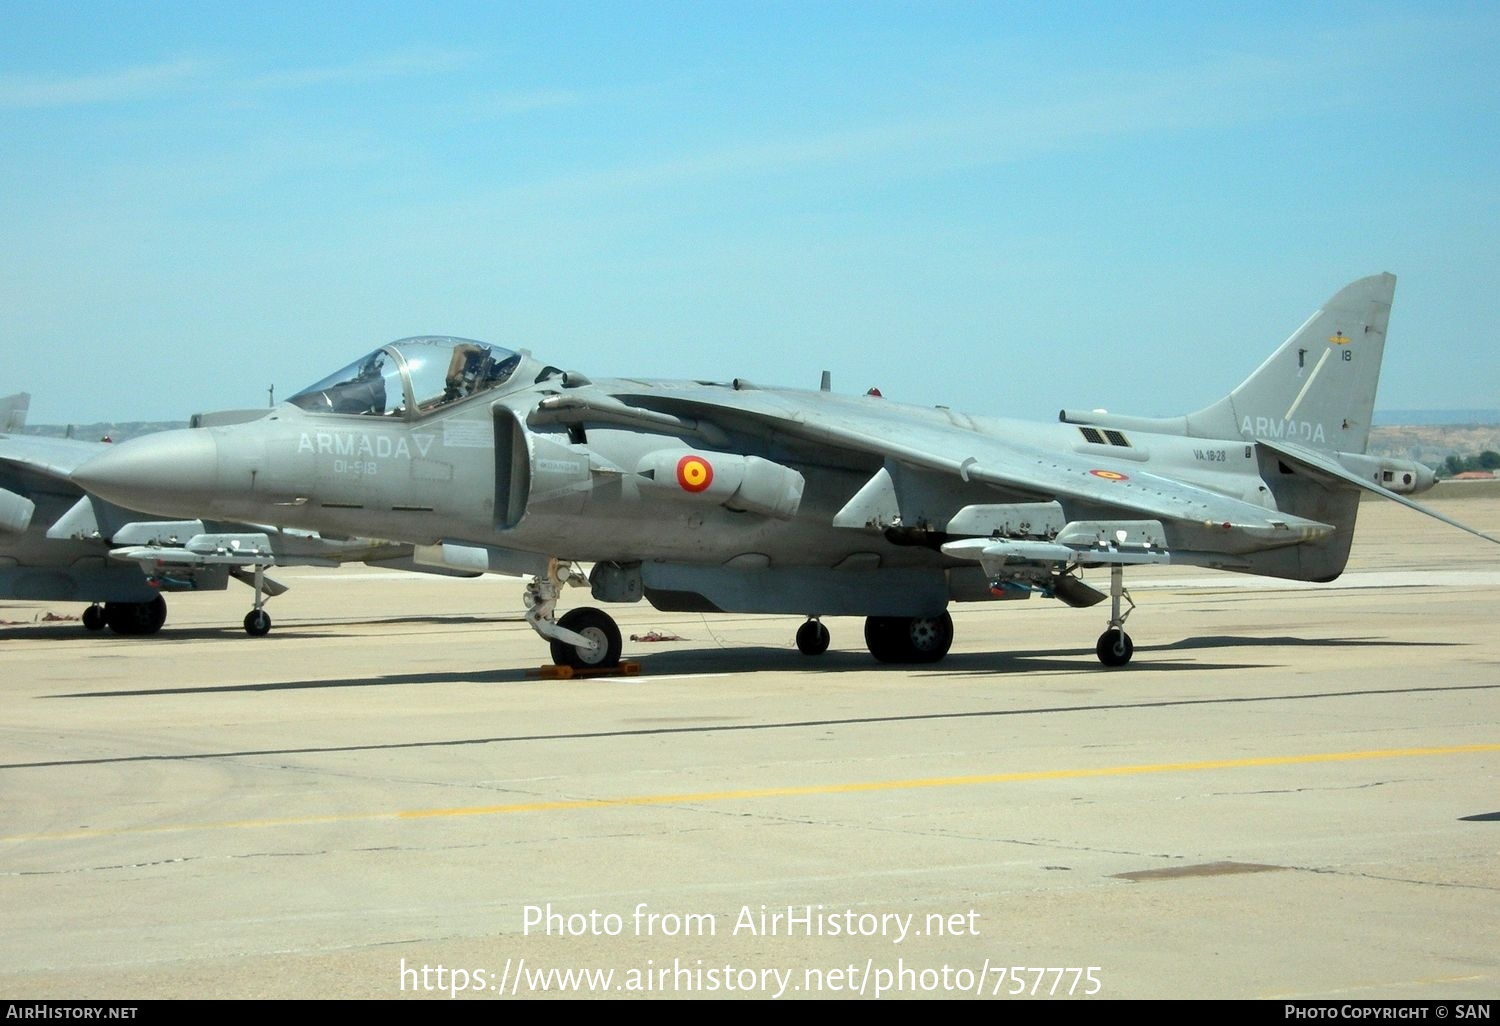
x=1014, y=661
x=750, y=659
x=64, y=630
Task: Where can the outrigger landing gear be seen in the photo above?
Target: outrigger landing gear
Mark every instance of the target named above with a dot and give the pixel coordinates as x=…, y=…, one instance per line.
x=1115, y=647
x=586, y=638
x=812, y=637
x=257, y=621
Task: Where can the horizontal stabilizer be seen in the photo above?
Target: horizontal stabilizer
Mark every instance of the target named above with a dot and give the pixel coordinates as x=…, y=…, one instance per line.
x=1318, y=465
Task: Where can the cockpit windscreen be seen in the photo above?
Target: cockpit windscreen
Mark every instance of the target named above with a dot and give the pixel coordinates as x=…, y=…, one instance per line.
x=414, y=376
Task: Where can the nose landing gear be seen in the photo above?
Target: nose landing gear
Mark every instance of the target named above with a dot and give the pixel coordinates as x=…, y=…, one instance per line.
x=584, y=639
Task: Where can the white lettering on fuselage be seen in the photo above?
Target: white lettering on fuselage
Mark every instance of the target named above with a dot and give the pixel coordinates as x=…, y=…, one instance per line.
x=1269, y=427
x=363, y=445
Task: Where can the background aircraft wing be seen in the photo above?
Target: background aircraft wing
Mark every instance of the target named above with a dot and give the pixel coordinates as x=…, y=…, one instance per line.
x=51, y=457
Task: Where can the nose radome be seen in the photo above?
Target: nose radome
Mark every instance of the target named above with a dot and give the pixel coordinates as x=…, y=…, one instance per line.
x=174, y=473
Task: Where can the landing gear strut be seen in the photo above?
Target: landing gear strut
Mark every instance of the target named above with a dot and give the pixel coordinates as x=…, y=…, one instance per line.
x=585, y=639
x=1114, y=647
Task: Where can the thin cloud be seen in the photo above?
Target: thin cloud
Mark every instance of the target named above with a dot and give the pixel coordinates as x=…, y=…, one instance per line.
x=1233, y=91
x=400, y=65
x=33, y=91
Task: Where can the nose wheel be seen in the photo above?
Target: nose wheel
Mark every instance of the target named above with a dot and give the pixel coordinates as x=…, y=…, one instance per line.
x=585, y=639
x=601, y=631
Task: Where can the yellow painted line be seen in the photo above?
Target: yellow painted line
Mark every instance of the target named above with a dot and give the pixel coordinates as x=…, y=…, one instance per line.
x=746, y=794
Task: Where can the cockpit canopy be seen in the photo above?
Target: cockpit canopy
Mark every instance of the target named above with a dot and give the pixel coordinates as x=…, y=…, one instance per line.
x=411, y=377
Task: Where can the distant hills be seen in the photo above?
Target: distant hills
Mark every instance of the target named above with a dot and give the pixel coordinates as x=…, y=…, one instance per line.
x=1435, y=418
x=1433, y=443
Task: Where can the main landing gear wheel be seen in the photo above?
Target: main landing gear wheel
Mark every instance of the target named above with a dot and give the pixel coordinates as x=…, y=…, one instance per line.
x=1114, y=648
x=914, y=639
x=93, y=617
x=812, y=638
x=600, y=628
x=135, y=618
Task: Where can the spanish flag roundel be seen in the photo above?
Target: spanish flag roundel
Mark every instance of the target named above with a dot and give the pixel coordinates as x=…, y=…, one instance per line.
x=1110, y=475
x=694, y=473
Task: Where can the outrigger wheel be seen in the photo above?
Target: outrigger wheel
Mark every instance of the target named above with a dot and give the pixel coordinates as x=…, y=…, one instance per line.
x=1114, y=648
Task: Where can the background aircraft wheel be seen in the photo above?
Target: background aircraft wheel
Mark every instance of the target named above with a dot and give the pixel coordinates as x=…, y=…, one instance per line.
x=93, y=617
x=136, y=617
x=596, y=625
x=257, y=623
x=1115, y=647
x=915, y=639
x=812, y=638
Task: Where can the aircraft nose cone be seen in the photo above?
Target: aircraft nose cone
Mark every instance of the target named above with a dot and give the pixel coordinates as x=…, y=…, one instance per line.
x=174, y=473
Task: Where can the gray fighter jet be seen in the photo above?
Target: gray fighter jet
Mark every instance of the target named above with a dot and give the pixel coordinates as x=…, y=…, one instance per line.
x=707, y=496
x=58, y=543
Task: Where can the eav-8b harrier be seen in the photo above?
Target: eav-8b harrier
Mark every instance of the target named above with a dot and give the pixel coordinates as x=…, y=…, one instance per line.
x=736, y=498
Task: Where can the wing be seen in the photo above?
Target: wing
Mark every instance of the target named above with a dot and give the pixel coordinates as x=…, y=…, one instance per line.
x=50, y=457
x=965, y=456
x=31, y=467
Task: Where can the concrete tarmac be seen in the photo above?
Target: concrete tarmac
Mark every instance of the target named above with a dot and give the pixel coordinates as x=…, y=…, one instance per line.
x=1291, y=793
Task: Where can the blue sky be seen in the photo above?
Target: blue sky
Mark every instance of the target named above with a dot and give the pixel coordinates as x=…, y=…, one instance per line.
x=1003, y=207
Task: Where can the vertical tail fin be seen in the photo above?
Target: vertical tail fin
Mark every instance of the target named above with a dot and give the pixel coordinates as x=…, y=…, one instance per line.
x=1318, y=388
x=13, y=412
